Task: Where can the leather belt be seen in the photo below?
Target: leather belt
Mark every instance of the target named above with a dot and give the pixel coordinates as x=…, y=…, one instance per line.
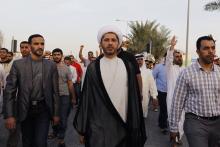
x=204, y=118
x=35, y=103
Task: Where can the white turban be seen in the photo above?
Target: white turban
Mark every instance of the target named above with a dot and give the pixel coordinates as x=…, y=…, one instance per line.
x=110, y=29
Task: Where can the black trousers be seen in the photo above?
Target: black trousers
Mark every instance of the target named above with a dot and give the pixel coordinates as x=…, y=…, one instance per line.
x=162, y=98
x=35, y=129
x=14, y=136
x=201, y=132
x=77, y=88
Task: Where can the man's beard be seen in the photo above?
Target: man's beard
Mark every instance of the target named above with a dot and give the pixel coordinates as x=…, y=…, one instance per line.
x=36, y=52
x=25, y=54
x=57, y=61
x=180, y=63
x=208, y=59
x=113, y=52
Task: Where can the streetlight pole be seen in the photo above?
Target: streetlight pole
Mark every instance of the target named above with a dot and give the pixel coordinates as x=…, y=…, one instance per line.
x=187, y=33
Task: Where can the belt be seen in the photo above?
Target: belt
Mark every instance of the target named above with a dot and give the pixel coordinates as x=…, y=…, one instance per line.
x=204, y=118
x=35, y=103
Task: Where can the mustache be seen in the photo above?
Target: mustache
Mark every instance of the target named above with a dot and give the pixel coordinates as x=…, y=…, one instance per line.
x=39, y=49
x=57, y=59
x=110, y=46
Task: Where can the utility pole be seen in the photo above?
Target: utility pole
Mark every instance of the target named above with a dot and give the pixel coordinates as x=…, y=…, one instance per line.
x=187, y=33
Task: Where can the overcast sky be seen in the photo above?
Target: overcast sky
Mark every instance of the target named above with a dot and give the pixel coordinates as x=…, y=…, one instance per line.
x=69, y=23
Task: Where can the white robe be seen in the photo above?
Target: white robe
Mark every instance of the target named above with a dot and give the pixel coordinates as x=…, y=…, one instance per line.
x=114, y=76
x=173, y=72
x=148, y=88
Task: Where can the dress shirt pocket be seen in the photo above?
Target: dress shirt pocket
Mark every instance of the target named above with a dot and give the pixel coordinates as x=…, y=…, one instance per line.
x=194, y=86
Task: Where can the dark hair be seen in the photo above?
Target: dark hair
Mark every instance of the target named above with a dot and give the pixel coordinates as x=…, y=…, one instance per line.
x=90, y=52
x=198, y=42
x=67, y=58
x=34, y=36
x=24, y=42
x=71, y=56
x=57, y=50
x=4, y=49
x=10, y=53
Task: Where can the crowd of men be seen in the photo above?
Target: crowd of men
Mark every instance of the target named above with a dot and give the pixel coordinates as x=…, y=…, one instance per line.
x=112, y=92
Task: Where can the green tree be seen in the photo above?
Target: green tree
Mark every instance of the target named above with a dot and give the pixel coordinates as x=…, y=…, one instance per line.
x=145, y=32
x=212, y=6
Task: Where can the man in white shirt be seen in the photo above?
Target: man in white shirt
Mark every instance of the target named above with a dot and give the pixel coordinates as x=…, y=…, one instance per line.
x=173, y=65
x=148, y=84
x=67, y=61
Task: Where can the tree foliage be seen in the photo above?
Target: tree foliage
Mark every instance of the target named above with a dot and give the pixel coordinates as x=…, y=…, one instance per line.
x=212, y=6
x=150, y=31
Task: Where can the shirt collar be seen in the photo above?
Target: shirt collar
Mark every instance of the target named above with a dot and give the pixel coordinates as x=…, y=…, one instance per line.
x=199, y=67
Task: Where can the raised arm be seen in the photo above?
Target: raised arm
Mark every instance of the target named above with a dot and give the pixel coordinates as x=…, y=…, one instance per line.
x=170, y=51
x=80, y=53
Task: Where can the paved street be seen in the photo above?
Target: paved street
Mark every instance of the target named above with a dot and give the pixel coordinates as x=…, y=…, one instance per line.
x=155, y=138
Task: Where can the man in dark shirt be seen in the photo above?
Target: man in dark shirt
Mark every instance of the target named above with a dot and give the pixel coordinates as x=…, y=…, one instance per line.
x=33, y=83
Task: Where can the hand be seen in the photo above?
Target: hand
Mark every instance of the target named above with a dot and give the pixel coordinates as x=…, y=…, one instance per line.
x=174, y=144
x=155, y=103
x=173, y=136
x=10, y=123
x=73, y=100
x=82, y=139
x=141, y=96
x=173, y=42
x=56, y=120
x=81, y=46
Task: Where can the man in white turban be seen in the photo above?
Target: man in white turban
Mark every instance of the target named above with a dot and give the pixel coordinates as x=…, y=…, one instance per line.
x=110, y=112
x=149, y=86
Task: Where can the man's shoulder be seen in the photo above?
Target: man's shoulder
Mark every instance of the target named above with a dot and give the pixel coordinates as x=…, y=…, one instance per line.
x=159, y=65
x=125, y=54
x=20, y=61
x=92, y=66
x=49, y=62
x=217, y=68
x=63, y=67
x=189, y=71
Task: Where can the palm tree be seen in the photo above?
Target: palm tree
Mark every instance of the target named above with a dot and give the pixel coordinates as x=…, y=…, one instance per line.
x=212, y=6
x=150, y=31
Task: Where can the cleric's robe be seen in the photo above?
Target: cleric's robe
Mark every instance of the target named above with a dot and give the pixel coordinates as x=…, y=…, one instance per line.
x=98, y=120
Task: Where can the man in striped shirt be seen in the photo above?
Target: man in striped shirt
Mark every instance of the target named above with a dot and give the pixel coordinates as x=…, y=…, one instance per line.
x=197, y=91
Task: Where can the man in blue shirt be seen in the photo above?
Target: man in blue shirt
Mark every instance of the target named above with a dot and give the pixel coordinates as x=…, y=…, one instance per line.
x=159, y=73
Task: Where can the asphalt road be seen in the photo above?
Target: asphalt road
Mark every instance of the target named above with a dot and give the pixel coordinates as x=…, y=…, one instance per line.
x=155, y=137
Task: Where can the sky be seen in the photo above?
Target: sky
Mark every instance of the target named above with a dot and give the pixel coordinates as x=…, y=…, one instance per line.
x=67, y=24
